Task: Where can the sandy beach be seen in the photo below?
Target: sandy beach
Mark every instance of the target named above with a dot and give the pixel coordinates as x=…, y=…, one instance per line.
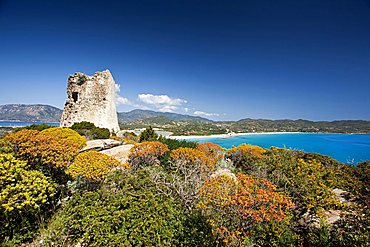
x=229, y=135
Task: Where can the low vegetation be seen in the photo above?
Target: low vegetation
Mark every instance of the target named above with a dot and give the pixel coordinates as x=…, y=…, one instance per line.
x=92, y=166
x=175, y=193
x=90, y=131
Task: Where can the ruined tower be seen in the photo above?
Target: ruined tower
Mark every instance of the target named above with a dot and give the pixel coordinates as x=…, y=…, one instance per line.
x=91, y=99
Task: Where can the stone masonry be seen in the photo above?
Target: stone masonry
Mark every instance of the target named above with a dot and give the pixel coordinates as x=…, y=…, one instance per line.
x=91, y=99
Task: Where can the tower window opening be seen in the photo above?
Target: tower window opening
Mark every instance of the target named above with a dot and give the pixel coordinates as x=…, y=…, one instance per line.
x=75, y=96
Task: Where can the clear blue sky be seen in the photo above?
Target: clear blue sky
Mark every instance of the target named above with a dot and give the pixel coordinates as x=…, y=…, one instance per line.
x=221, y=59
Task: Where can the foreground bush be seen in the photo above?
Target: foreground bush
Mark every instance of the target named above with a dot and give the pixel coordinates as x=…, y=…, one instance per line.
x=23, y=143
x=146, y=153
x=188, y=170
x=92, y=166
x=184, y=158
x=55, y=147
x=25, y=196
x=245, y=155
x=236, y=204
x=6, y=147
x=212, y=151
x=128, y=210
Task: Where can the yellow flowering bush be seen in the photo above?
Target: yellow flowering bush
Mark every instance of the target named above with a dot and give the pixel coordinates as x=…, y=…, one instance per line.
x=190, y=157
x=22, y=189
x=243, y=156
x=92, y=166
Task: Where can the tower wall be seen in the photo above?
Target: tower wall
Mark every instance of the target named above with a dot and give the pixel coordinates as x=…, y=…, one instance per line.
x=91, y=99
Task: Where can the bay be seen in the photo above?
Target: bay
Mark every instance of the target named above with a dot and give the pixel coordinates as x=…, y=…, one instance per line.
x=347, y=148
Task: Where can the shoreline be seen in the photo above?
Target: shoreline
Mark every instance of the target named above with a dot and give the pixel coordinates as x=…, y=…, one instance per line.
x=230, y=135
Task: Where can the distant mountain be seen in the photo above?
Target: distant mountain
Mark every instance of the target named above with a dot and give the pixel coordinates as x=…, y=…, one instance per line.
x=47, y=113
x=189, y=125
x=300, y=125
x=143, y=114
x=30, y=113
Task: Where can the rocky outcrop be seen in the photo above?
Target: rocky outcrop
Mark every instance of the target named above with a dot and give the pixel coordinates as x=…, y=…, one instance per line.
x=100, y=144
x=120, y=153
x=91, y=99
x=331, y=216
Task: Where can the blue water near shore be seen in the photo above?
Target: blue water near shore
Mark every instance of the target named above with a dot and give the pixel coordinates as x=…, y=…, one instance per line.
x=347, y=148
x=23, y=124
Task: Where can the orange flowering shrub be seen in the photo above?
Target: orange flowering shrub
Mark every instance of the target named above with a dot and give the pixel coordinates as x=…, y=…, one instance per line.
x=54, y=146
x=235, y=205
x=189, y=157
x=59, y=146
x=146, y=153
x=23, y=142
x=211, y=150
x=92, y=166
x=245, y=154
x=189, y=169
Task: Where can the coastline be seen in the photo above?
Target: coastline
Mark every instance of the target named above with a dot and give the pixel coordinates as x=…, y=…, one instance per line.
x=230, y=135
x=19, y=123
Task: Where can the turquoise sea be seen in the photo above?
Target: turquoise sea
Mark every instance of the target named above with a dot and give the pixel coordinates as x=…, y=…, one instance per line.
x=347, y=148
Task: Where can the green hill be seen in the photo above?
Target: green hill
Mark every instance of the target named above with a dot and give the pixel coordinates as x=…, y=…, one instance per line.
x=30, y=113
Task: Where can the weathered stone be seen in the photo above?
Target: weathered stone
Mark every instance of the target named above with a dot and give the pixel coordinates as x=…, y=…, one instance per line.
x=91, y=99
x=342, y=195
x=224, y=172
x=332, y=216
x=100, y=144
x=120, y=153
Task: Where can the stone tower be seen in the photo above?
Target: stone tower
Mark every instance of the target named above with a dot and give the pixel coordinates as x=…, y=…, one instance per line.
x=91, y=99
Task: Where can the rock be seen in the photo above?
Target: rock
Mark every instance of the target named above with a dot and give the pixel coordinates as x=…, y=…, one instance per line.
x=313, y=220
x=100, y=144
x=332, y=216
x=310, y=219
x=342, y=196
x=224, y=172
x=120, y=153
x=91, y=99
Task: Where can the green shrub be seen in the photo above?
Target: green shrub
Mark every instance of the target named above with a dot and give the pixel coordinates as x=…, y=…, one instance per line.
x=173, y=144
x=83, y=125
x=90, y=131
x=148, y=135
x=100, y=133
x=128, y=210
x=38, y=127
